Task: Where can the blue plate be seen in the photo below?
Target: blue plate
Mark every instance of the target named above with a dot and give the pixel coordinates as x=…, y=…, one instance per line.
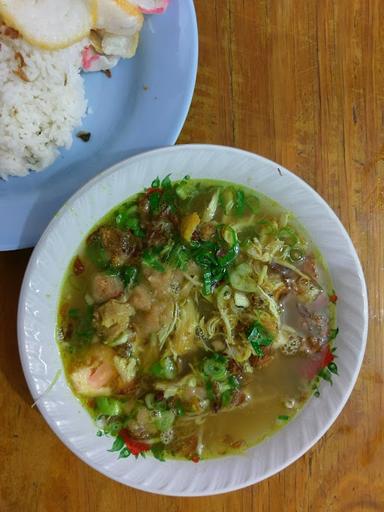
x=143, y=106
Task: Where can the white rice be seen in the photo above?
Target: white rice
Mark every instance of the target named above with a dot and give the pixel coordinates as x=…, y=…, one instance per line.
x=37, y=116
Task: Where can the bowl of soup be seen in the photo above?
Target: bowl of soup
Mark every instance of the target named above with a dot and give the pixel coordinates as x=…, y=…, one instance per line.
x=193, y=320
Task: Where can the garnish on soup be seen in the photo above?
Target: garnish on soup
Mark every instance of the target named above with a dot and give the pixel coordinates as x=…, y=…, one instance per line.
x=196, y=319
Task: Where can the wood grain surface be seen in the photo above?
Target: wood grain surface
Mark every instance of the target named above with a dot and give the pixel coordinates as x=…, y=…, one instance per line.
x=300, y=82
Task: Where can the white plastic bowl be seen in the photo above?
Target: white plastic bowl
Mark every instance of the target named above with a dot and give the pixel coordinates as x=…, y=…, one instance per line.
x=40, y=294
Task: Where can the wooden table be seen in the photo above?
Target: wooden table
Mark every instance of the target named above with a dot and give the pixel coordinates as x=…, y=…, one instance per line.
x=300, y=82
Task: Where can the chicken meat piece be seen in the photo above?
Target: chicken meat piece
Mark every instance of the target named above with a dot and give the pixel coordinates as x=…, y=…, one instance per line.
x=184, y=339
x=105, y=287
x=112, y=319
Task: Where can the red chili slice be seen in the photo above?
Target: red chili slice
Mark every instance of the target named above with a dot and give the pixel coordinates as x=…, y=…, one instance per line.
x=134, y=446
x=333, y=298
x=329, y=357
x=195, y=459
x=78, y=266
x=153, y=189
x=317, y=363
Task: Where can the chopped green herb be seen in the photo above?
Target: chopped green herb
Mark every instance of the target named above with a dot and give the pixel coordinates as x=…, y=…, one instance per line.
x=124, y=453
x=125, y=221
x=226, y=398
x=166, y=182
x=85, y=329
x=164, y=369
x=158, y=451
x=333, y=333
x=332, y=367
x=259, y=337
x=117, y=444
x=326, y=375
x=97, y=254
x=151, y=259
x=179, y=256
x=155, y=183
x=129, y=276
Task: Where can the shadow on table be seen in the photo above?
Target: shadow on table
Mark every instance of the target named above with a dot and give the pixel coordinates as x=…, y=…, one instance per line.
x=12, y=266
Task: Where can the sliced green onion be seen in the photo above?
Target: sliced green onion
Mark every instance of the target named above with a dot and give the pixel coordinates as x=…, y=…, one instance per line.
x=164, y=369
x=288, y=235
x=210, y=211
x=227, y=199
x=229, y=235
x=129, y=276
x=215, y=368
x=241, y=278
x=185, y=189
x=149, y=400
x=239, y=203
x=133, y=223
x=226, y=398
x=229, y=257
x=164, y=420
x=179, y=256
x=108, y=406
